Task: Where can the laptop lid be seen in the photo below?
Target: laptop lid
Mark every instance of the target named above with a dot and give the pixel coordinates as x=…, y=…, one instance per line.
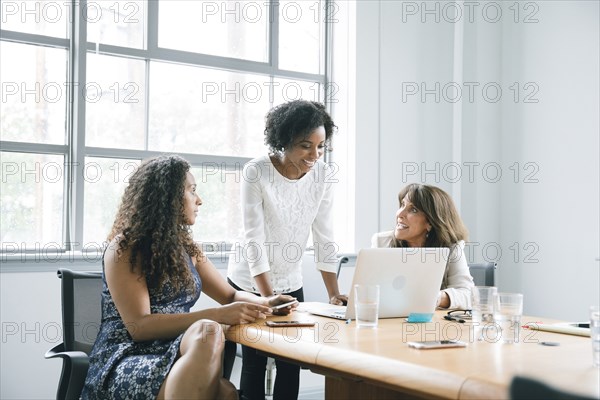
x=409, y=279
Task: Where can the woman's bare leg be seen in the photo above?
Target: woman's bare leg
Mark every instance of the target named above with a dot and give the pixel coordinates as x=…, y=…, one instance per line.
x=197, y=373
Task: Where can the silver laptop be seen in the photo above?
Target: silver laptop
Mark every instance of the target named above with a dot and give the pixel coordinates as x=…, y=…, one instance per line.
x=409, y=280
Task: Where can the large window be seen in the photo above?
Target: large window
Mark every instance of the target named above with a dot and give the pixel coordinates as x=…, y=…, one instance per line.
x=90, y=88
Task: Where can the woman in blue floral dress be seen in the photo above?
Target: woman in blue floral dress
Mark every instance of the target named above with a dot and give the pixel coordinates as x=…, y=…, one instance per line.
x=149, y=344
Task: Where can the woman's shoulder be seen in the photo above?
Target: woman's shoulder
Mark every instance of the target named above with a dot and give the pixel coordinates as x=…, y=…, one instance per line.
x=457, y=252
x=257, y=169
x=115, y=253
x=458, y=245
x=382, y=239
x=259, y=162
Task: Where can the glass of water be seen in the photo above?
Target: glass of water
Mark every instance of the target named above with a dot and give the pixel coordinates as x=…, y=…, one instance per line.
x=366, y=305
x=482, y=309
x=595, y=334
x=508, y=308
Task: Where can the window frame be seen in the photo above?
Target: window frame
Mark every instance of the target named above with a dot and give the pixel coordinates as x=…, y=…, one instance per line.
x=74, y=149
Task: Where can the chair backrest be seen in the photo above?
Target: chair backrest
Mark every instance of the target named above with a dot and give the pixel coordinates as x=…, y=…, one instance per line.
x=81, y=308
x=483, y=273
x=313, y=282
x=523, y=388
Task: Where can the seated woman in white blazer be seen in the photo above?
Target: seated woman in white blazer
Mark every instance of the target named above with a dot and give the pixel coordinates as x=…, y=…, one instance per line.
x=427, y=217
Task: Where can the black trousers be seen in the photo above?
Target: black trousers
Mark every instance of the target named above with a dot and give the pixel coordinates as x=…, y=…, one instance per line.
x=252, y=381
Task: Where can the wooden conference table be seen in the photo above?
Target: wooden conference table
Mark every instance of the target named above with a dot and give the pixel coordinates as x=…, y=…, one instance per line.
x=361, y=363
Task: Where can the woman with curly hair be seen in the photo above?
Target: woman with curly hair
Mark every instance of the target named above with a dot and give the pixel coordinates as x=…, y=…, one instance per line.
x=149, y=344
x=427, y=217
x=285, y=194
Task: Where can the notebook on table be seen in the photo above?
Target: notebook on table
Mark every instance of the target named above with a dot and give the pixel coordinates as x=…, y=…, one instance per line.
x=409, y=280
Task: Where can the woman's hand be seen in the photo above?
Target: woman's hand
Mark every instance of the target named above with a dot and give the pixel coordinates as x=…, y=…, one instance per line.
x=339, y=300
x=443, y=300
x=242, y=313
x=281, y=299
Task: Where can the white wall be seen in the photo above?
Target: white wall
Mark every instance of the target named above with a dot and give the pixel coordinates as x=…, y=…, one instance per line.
x=540, y=218
x=561, y=135
x=366, y=143
x=31, y=325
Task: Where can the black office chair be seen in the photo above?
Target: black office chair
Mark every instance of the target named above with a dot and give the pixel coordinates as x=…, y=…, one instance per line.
x=81, y=314
x=522, y=388
x=341, y=260
x=483, y=273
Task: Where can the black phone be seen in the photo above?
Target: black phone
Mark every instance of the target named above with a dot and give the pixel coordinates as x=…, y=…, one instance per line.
x=581, y=325
x=281, y=324
x=284, y=305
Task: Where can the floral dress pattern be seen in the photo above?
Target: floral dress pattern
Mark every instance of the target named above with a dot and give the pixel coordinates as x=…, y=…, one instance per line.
x=123, y=369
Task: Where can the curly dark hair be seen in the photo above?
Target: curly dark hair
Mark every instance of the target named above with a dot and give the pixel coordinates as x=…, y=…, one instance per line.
x=289, y=121
x=150, y=222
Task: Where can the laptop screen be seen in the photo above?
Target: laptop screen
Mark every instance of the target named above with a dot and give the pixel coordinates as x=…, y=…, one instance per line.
x=409, y=279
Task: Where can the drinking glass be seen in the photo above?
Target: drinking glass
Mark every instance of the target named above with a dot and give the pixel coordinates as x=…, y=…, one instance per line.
x=508, y=308
x=482, y=308
x=366, y=305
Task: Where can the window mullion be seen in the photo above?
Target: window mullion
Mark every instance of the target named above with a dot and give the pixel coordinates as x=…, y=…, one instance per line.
x=152, y=26
x=76, y=134
x=274, y=34
x=151, y=47
x=327, y=52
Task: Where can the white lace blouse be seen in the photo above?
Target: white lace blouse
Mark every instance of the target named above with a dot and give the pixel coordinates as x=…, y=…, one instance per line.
x=278, y=215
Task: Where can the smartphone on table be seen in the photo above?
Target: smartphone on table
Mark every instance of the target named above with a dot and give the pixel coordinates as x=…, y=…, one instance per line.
x=284, y=324
x=437, y=344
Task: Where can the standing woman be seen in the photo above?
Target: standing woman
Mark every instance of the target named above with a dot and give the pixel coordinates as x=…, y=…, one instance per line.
x=284, y=195
x=427, y=217
x=149, y=345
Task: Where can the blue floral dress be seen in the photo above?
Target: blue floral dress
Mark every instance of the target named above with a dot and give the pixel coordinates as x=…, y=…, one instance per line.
x=123, y=369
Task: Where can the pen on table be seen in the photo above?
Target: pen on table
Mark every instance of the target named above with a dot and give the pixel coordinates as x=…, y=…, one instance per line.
x=451, y=318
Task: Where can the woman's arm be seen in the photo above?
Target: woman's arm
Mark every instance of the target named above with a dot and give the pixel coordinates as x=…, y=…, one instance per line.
x=254, y=224
x=333, y=291
x=458, y=281
x=263, y=281
x=130, y=294
x=223, y=293
x=443, y=300
x=325, y=246
x=254, y=218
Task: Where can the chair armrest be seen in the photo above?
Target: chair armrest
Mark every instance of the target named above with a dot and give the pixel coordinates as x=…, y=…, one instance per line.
x=74, y=371
x=58, y=351
x=55, y=351
x=78, y=360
